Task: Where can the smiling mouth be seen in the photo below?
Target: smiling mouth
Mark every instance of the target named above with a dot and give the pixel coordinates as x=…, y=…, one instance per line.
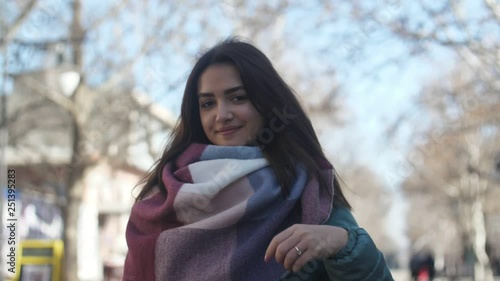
x=228, y=131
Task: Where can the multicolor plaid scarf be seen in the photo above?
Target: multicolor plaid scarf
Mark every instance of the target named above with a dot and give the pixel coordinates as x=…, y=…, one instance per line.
x=223, y=208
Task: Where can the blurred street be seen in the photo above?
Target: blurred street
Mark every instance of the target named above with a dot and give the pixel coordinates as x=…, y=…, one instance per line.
x=404, y=275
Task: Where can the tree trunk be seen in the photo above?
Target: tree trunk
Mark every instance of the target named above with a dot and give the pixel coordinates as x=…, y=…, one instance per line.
x=477, y=188
x=75, y=188
x=71, y=215
x=79, y=160
x=482, y=268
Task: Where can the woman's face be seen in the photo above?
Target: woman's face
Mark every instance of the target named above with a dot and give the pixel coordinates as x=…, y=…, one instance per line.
x=227, y=115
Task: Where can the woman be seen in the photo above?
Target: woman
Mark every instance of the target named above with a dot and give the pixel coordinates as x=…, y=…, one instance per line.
x=243, y=190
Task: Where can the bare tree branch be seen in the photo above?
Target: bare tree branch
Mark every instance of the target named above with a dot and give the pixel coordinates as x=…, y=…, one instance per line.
x=126, y=67
x=124, y=70
x=113, y=12
x=49, y=93
x=11, y=32
x=155, y=111
x=494, y=8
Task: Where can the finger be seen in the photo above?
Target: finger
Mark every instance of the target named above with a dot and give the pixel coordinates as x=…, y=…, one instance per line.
x=301, y=262
x=297, y=261
x=292, y=256
x=280, y=237
x=286, y=248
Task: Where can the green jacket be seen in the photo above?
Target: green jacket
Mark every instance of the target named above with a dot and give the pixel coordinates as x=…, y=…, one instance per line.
x=359, y=260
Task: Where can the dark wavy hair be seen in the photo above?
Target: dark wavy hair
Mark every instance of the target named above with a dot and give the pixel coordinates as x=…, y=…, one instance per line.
x=288, y=137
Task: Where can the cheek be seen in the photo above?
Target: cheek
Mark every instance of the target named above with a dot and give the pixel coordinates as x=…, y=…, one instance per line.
x=205, y=121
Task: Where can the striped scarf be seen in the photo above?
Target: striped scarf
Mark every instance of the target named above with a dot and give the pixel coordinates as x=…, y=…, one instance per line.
x=223, y=208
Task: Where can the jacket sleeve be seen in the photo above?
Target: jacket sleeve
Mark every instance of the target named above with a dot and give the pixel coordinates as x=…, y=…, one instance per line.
x=359, y=259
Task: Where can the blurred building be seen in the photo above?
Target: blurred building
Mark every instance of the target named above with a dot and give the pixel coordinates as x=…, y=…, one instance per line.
x=120, y=134
x=103, y=214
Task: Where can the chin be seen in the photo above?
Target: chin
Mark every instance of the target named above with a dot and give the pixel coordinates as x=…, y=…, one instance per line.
x=236, y=142
x=233, y=143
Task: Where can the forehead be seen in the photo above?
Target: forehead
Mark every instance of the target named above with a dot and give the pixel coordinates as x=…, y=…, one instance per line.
x=219, y=77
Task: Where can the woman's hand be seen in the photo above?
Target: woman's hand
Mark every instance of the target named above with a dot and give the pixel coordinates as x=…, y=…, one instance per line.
x=300, y=243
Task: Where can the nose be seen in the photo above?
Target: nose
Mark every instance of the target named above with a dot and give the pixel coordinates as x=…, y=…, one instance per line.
x=224, y=113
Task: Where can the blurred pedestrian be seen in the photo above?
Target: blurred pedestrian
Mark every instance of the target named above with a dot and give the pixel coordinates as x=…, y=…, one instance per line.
x=414, y=266
x=422, y=267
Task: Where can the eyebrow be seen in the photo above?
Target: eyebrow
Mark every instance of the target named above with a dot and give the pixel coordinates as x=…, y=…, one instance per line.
x=226, y=92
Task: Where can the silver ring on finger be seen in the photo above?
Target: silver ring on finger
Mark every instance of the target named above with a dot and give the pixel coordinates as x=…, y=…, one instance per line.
x=299, y=252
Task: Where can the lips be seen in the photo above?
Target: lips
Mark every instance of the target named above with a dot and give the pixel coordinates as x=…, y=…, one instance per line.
x=226, y=131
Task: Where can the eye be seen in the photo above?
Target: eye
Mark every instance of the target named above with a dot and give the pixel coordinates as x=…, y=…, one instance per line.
x=206, y=103
x=239, y=98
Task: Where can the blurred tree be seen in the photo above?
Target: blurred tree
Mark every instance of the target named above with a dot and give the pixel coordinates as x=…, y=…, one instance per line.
x=71, y=92
x=454, y=166
x=467, y=28
x=451, y=164
x=371, y=201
